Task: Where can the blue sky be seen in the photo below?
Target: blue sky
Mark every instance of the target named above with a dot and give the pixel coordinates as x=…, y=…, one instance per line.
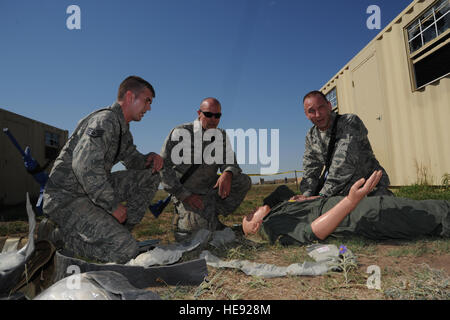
x=258, y=57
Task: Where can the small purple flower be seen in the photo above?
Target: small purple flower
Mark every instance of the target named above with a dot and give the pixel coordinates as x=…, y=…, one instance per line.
x=342, y=249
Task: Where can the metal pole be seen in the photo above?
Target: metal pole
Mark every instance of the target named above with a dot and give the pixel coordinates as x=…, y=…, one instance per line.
x=296, y=180
x=14, y=141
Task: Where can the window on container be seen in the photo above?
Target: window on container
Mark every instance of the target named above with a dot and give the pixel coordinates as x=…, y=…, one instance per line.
x=332, y=97
x=51, y=139
x=434, y=22
x=429, y=69
x=51, y=145
x=429, y=44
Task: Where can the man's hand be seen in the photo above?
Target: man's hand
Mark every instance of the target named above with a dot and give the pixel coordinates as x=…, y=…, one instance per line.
x=250, y=225
x=195, y=201
x=361, y=188
x=158, y=162
x=120, y=213
x=224, y=184
x=253, y=221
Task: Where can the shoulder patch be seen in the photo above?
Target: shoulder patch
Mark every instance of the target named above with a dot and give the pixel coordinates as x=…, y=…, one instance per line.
x=95, y=133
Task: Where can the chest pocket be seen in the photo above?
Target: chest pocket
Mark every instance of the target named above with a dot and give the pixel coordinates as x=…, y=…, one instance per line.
x=99, y=133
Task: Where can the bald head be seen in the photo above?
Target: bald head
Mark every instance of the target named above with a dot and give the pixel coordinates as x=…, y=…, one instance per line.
x=207, y=102
x=209, y=113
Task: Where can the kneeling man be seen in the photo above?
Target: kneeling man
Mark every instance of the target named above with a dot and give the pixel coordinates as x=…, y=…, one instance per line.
x=84, y=199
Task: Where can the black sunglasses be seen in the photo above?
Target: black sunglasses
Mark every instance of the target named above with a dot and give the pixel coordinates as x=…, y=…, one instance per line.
x=210, y=114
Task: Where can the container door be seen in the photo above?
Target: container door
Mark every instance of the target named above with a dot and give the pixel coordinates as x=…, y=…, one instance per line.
x=369, y=106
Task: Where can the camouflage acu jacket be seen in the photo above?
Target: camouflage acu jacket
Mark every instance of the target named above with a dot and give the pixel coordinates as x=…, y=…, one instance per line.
x=205, y=176
x=84, y=164
x=352, y=159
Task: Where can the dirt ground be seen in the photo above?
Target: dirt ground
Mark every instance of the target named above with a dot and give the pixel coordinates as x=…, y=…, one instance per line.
x=408, y=277
x=408, y=270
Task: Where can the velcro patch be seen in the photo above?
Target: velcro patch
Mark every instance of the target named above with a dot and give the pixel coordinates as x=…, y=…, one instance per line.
x=95, y=133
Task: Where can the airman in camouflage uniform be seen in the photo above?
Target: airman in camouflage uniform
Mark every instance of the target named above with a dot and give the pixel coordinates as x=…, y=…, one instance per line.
x=205, y=194
x=352, y=159
x=85, y=199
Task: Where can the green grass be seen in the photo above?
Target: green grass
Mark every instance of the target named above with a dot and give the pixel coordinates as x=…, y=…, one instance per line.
x=357, y=244
x=296, y=254
x=441, y=246
x=13, y=227
x=424, y=283
x=150, y=229
x=415, y=250
x=258, y=283
x=423, y=192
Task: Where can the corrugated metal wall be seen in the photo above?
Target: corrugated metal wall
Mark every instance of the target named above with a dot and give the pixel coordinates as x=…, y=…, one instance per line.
x=14, y=179
x=409, y=130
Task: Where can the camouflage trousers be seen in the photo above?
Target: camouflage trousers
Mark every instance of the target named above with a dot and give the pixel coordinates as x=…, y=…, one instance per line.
x=91, y=232
x=381, y=191
x=188, y=219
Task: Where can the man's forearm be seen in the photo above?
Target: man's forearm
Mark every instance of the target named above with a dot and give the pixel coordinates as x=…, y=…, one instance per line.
x=262, y=212
x=324, y=225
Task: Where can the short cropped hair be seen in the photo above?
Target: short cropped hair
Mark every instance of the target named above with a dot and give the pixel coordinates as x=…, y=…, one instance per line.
x=135, y=84
x=314, y=93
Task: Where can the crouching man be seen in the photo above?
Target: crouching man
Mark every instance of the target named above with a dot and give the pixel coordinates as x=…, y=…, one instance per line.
x=194, y=149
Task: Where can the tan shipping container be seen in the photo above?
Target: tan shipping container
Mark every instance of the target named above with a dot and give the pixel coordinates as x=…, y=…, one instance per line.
x=45, y=142
x=399, y=85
